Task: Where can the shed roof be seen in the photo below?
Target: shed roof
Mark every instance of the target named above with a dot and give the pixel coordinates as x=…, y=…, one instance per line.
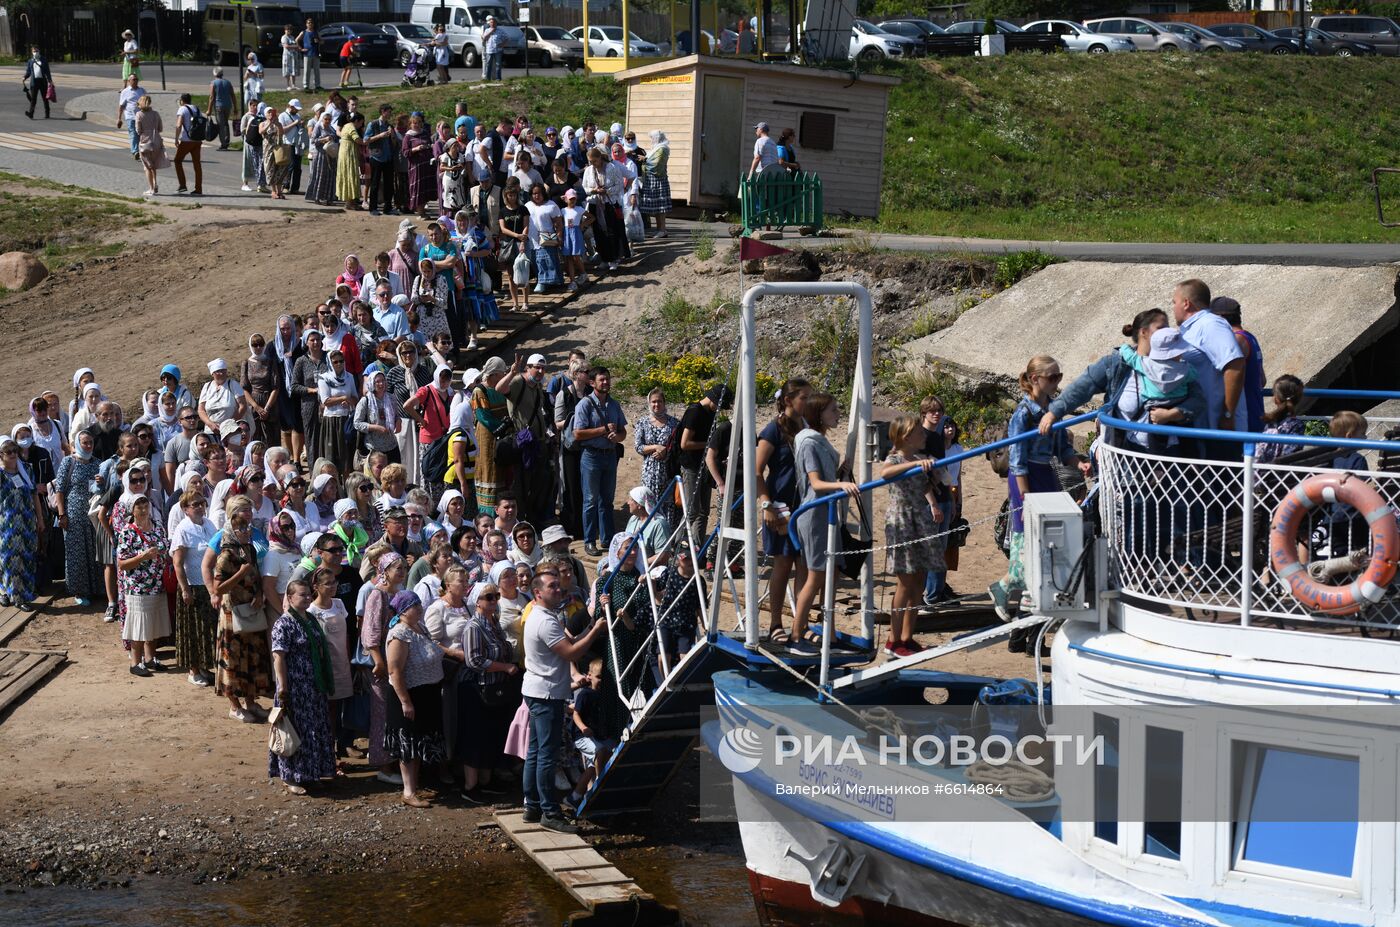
x=746, y=66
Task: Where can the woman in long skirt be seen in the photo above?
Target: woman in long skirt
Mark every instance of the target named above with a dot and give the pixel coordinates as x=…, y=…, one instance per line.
x=491, y=411
x=19, y=528
x=390, y=574
x=413, y=717
x=244, y=670
x=302, y=666
x=73, y=484
x=422, y=173
x=347, y=177
x=320, y=182
x=253, y=175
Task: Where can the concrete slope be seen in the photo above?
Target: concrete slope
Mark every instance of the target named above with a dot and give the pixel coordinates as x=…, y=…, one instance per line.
x=1310, y=320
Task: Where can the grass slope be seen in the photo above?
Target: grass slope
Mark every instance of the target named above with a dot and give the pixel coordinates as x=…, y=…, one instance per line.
x=64, y=224
x=1159, y=147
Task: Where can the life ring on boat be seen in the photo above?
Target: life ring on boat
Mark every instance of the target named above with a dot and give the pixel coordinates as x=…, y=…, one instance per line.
x=1318, y=490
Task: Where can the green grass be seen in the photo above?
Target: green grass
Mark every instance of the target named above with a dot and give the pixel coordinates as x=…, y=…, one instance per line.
x=1149, y=147
x=65, y=229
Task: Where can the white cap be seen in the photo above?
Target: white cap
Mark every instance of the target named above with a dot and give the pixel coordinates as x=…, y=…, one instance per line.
x=294, y=103
x=470, y=376
x=535, y=360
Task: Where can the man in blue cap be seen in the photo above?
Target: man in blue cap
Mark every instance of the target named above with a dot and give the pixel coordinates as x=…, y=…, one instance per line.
x=170, y=379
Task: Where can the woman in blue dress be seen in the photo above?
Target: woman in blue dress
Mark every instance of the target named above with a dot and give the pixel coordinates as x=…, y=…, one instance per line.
x=74, y=485
x=19, y=528
x=301, y=666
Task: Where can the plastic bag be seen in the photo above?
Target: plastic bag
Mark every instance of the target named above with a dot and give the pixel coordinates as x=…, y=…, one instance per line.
x=632, y=220
x=520, y=270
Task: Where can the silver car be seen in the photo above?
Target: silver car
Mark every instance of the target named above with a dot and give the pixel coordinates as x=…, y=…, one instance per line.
x=1209, y=41
x=1075, y=37
x=1147, y=36
x=869, y=43
x=409, y=37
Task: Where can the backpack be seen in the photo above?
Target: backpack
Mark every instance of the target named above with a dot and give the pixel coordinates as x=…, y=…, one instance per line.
x=198, y=125
x=254, y=134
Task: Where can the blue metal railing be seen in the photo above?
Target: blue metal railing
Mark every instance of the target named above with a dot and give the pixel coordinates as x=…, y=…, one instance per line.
x=833, y=498
x=1249, y=438
x=636, y=538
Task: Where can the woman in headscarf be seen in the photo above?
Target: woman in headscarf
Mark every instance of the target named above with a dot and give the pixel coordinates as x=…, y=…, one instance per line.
x=286, y=349
x=338, y=395
x=413, y=718
x=166, y=423
x=47, y=430
x=141, y=553
x=512, y=606
x=454, y=168
x=349, y=168
x=359, y=489
x=628, y=610
x=390, y=573
x=196, y=621
x=244, y=666
x=247, y=481
x=254, y=80
x=306, y=380
x=86, y=413
x=250, y=129
x=430, y=410
x=655, y=200
x=403, y=259
x=325, y=490
x=221, y=399
x=74, y=486
x=527, y=549
x=488, y=693
x=301, y=664
x=422, y=179
x=492, y=422
x=325, y=152
x=21, y=527
x=353, y=275
x=277, y=154
x=41, y=469
x=377, y=418
x=603, y=185
x=295, y=504
x=452, y=512
x=257, y=375
x=81, y=378
x=346, y=526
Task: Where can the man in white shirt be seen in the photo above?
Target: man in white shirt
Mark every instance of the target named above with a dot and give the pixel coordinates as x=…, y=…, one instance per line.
x=188, y=144
x=391, y=314
x=294, y=134
x=126, y=112
x=382, y=274
x=765, y=152
x=1215, y=355
x=548, y=652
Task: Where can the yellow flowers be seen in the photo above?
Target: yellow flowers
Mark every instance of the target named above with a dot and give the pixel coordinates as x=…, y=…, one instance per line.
x=686, y=377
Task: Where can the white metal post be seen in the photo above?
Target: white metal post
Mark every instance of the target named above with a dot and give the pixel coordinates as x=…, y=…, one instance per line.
x=1247, y=537
x=833, y=547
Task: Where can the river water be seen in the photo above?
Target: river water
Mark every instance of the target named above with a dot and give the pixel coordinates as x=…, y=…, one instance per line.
x=709, y=888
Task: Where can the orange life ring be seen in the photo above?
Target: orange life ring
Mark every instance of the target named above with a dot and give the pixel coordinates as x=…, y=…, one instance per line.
x=1322, y=489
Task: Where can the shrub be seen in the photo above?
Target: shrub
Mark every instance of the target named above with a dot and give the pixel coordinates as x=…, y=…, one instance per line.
x=979, y=411
x=1014, y=266
x=704, y=241
x=683, y=378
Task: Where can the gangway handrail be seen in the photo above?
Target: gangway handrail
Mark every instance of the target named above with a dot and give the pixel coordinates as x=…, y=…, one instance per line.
x=1248, y=438
x=939, y=463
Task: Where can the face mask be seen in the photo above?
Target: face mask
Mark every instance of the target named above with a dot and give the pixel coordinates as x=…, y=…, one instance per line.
x=24, y=443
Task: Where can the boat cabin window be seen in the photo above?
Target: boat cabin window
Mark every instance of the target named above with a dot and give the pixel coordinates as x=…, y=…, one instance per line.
x=1162, y=790
x=1275, y=786
x=1106, y=781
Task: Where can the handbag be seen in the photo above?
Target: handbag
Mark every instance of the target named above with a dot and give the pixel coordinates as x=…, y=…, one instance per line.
x=247, y=619
x=549, y=240
x=50, y=93
x=852, y=564
x=331, y=148
x=282, y=737
x=282, y=155
x=494, y=694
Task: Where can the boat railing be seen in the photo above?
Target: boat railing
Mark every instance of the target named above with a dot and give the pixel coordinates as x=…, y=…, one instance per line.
x=1192, y=534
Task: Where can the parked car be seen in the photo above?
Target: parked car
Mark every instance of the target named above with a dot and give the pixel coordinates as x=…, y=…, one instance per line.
x=1254, y=38
x=409, y=37
x=372, y=45
x=870, y=43
x=920, y=30
x=606, y=42
x=552, y=45
x=978, y=26
x=1075, y=37
x=1325, y=43
x=1209, y=41
x=262, y=31
x=1147, y=36
x=1379, y=32
x=465, y=22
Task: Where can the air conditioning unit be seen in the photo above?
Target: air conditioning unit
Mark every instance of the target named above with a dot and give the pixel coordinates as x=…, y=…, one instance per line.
x=1054, y=542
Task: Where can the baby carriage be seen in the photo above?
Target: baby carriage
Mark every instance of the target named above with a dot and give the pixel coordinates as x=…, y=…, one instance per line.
x=416, y=74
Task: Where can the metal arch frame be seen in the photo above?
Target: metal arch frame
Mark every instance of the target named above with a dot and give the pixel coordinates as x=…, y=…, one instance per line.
x=746, y=404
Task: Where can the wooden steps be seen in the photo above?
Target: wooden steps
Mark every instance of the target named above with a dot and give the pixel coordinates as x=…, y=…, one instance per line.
x=608, y=895
x=22, y=670
x=12, y=620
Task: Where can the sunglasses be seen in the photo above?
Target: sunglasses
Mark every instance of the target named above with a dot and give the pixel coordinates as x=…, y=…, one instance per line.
x=296, y=484
x=332, y=550
x=488, y=597
x=189, y=418
x=255, y=479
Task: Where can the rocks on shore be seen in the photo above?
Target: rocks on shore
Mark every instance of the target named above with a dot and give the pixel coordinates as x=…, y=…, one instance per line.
x=20, y=270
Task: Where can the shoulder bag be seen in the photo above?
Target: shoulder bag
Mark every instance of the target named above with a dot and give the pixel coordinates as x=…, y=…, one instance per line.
x=282, y=737
x=247, y=618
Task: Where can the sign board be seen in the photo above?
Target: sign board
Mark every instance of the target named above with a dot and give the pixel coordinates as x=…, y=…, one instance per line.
x=84, y=14
x=669, y=79
x=524, y=15
x=240, y=2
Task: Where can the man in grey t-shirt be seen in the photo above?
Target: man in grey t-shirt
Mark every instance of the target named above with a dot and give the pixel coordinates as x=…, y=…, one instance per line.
x=179, y=448
x=548, y=652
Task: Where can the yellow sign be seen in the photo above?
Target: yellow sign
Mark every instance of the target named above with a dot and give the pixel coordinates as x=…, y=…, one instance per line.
x=669, y=79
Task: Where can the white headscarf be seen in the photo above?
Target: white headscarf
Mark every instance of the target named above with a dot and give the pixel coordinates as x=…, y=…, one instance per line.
x=389, y=409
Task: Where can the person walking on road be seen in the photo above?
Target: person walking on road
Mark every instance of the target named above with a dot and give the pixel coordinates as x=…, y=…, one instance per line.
x=291, y=51
x=153, y=156
x=37, y=80
x=310, y=43
x=220, y=108
x=188, y=143
x=131, y=56
x=126, y=112
x=442, y=53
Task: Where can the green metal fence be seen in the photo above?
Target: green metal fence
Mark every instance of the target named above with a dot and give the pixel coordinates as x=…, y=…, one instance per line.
x=781, y=199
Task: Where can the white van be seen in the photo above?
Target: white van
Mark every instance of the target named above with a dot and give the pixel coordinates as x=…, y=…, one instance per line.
x=465, y=21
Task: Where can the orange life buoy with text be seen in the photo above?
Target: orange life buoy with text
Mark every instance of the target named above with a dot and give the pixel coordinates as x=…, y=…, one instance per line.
x=1323, y=489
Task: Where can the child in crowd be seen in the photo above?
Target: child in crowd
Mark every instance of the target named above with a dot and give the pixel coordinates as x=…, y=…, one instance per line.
x=585, y=714
x=576, y=219
x=951, y=475
x=1282, y=418
x=1164, y=376
x=679, y=609
x=1344, y=529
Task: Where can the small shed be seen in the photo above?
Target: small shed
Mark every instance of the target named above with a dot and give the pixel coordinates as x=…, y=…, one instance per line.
x=708, y=106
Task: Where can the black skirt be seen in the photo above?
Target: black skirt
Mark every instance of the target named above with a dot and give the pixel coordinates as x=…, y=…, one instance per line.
x=482, y=728
x=421, y=738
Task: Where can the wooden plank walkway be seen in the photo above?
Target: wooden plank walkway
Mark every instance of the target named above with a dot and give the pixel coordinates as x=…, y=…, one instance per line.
x=12, y=620
x=609, y=895
x=22, y=670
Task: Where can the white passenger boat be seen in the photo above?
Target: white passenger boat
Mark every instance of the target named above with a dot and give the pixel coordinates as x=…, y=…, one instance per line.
x=1250, y=764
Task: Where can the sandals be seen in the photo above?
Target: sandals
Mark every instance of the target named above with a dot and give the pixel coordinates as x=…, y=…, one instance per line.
x=778, y=635
x=413, y=801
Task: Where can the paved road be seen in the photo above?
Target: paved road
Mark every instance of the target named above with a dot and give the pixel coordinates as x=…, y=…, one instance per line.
x=194, y=77
x=92, y=152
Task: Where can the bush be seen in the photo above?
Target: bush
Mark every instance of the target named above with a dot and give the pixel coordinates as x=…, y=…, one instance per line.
x=704, y=243
x=980, y=412
x=1011, y=268
x=683, y=378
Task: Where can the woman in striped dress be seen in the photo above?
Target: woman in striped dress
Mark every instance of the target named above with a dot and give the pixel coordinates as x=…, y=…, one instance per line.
x=655, y=200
